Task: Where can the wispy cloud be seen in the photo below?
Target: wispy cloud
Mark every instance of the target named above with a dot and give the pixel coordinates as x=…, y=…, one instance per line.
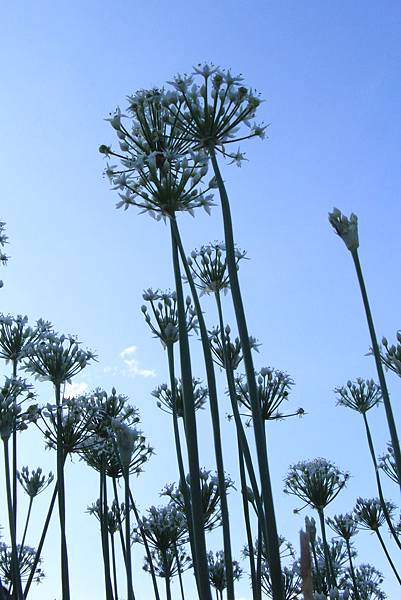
x=132, y=368
x=75, y=389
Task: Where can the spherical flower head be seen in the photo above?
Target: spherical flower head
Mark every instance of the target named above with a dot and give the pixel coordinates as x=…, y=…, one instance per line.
x=57, y=358
x=213, y=108
x=369, y=513
x=361, y=395
x=346, y=228
x=164, y=311
x=35, y=482
x=343, y=525
x=317, y=482
x=209, y=267
x=167, y=401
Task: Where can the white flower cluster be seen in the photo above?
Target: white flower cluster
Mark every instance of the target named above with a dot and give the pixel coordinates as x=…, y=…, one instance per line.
x=127, y=439
x=217, y=570
x=209, y=267
x=165, y=315
x=17, y=337
x=165, y=399
x=369, y=513
x=233, y=347
x=346, y=228
x=361, y=395
x=392, y=355
x=12, y=394
x=35, y=482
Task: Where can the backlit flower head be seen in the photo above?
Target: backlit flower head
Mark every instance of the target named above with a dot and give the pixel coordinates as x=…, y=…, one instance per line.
x=346, y=228
x=391, y=355
x=343, y=525
x=164, y=527
x=291, y=578
x=213, y=108
x=369, y=580
x=369, y=513
x=273, y=387
x=35, y=482
x=233, y=347
x=217, y=570
x=317, y=482
x=3, y=241
x=163, y=316
x=13, y=393
x=57, y=358
x=168, y=563
x=209, y=267
x=165, y=399
x=17, y=337
x=115, y=514
x=387, y=463
x=361, y=395
x=26, y=559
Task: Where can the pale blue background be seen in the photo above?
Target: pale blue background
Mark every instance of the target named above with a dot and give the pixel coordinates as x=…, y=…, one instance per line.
x=330, y=74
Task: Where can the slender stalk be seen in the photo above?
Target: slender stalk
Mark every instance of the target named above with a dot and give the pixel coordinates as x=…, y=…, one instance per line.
x=167, y=579
x=65, y=584
x=260, y=440
x=214, y=411
x=17, y=588
x=382, y=380
x=351, y=566
x=183, y=482
x=41, y=541
x=14, y=480
x=378, y=482
x=104, y=535
x=191, y=435
x=120, y=529
x=259, y=556
x=128, y=566
x=316, y=563
x=179, y=571
x=256, y=585
x=388, y=555
x=113, y=560
x=28, y=516
x=329, y=566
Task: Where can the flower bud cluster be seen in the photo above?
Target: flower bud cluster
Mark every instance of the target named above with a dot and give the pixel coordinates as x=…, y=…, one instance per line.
x=388, y=464
x=209, y=267
x=391, y=357
x=361, y=395
x=369, y=514
x=166, y=401
x=34, y=483
x=12, y=395
x=233, y=347
x=346, y=228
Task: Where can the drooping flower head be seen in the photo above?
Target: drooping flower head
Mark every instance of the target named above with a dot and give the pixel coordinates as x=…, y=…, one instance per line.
x=213, y=108
x=209, y=267
x=317, y=482
x=164, y=323
x=346, y=228
x=361, y=395
x=165, y=398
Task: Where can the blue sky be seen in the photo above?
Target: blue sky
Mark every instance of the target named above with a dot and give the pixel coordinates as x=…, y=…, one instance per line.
x=329, y=72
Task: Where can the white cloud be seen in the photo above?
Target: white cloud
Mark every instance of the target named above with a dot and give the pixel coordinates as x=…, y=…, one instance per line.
x=132, y=368
x=75, y=389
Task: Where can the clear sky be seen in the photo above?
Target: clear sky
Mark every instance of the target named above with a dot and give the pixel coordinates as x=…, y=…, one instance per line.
x=330, y=74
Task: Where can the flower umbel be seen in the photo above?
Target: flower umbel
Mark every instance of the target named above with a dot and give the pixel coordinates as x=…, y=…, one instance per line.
x=362, y=395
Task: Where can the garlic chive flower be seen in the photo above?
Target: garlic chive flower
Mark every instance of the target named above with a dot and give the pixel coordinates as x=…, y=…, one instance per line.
x=77, y=424
x=387, y=464
x=164, y=527
x=209, y=267
x=115, y=515
x=273, y=387
x=217, y=570
x=361, y=395
x=57, y=358
x=127, y=439
x=210, y=495
x=168, y=563
x=165, y=397
x=3, y=241
x=211, y=107
x=292, y=582
x=26, y=559
x=106, y=407
x=316, y=482
x=337, y=551
x=34, y=483
x=285, y=547
x=13, y=394
x=369, y=580
x=16, y=336
x=346, y=228
x=369, y=513
x=159, y=172
x=163, y=317
x=391, y=355
x=233, y=347
x=343, y=525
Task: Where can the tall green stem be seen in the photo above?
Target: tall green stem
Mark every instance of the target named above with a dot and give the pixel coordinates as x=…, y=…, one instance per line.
x=17, y=588
x=378, y=482
x=329, y=566
x=28, y=516
x=104, y=534
x=388, y=556
x=214, y=411
x=382, y=380
x=191, y=434
x=65, y=585
x=113, y=560
x=128, y=566
x=351, y=566
x=14, y=479
x=256, y=585
x=260, y=440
